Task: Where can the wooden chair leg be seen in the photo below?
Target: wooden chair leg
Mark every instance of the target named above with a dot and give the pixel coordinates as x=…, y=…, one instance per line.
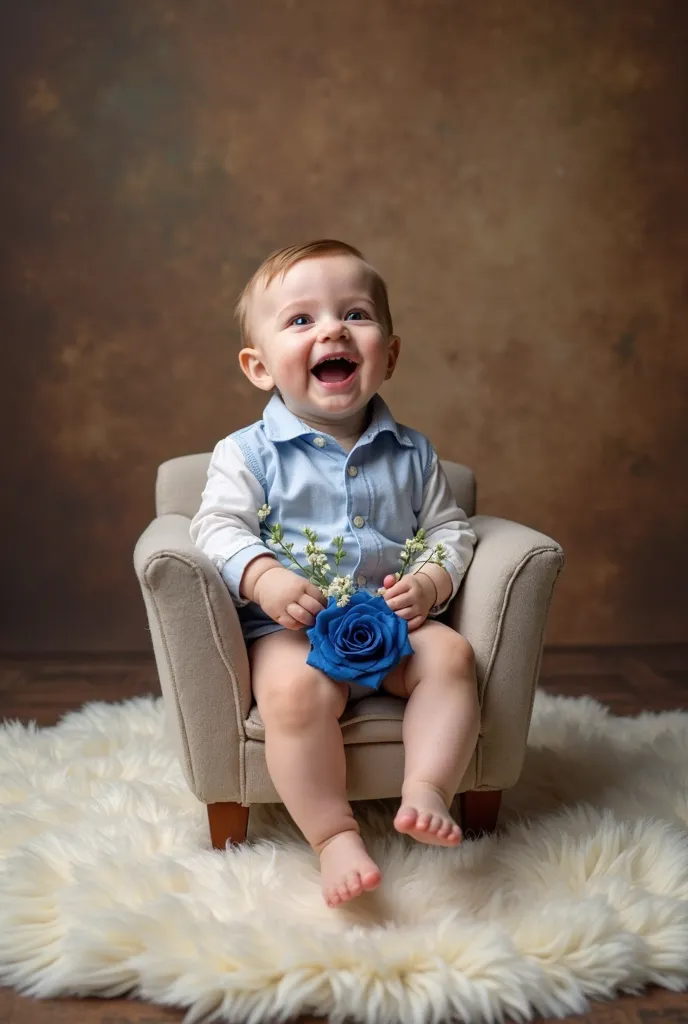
x=479, y=811
x=228, y=822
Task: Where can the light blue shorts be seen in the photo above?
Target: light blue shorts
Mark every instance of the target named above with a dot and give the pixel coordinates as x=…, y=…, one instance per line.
x=357, y=692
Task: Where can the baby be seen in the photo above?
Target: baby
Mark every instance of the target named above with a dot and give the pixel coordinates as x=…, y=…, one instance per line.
x=317, y=332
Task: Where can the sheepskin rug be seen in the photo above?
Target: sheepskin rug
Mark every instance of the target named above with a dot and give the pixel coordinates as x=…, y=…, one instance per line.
x=108, y=884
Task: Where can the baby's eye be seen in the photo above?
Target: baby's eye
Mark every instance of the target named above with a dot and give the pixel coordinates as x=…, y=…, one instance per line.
x=299, y=321
x=357, y=314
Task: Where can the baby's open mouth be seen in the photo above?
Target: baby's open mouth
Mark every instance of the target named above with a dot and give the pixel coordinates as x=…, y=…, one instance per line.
x=334, y=371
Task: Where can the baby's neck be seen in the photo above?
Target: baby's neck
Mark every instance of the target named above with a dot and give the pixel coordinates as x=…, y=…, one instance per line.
x=347, y=442
x=345, y=432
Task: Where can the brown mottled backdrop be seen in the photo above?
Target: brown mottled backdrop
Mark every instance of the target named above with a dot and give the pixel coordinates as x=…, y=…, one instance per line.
x=518, y=171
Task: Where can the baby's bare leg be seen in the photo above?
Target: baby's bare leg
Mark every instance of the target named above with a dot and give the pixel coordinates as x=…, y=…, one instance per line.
x=440, y=730
x=304, y=750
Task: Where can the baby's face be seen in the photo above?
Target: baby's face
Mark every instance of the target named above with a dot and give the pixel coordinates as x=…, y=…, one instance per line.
x=317, y=336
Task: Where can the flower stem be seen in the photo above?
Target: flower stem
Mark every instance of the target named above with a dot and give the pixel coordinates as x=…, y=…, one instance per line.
x=431, y=558
x=309, y=574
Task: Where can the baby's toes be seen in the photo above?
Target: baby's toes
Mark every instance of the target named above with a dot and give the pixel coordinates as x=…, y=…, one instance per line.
x=452, y=834
x=405, y=819
x=424, y=821
x=436, y=825
x=332, y=897
x=353, y=885
x=347, y=889
x=371, y=879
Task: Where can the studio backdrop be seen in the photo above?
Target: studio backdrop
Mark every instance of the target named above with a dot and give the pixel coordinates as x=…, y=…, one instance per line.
x=517, y=172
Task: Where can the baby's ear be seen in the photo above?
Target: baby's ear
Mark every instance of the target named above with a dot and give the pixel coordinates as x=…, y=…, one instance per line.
x=251, y=362
x=392, y=354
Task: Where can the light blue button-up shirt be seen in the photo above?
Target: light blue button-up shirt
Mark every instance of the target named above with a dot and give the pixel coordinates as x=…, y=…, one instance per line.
x=375, y=496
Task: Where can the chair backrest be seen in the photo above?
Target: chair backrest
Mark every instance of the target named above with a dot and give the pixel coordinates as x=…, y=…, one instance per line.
x=181, y=481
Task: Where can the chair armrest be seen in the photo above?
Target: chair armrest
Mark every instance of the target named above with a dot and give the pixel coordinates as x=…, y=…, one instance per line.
x=501, y=609
x=200, y=655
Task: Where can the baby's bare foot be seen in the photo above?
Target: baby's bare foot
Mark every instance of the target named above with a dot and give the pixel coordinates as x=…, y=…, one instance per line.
x=425, y=816
x=346, y=869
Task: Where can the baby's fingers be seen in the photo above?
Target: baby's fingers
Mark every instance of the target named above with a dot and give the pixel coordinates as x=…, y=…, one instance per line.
x=408, y=613
x=399, y=588
x=401, y=601
x=310, y=604
x=288, y=621
x=302, y=616
x=317, y=595
x=414, y=623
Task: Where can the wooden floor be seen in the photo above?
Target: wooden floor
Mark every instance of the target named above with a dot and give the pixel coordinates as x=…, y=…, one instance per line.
x=629, y=680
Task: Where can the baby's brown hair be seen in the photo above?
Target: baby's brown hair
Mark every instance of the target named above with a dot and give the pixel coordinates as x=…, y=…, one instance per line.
x=280, y=261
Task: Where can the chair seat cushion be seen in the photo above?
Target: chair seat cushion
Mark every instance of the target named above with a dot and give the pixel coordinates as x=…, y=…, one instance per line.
x=374, y=719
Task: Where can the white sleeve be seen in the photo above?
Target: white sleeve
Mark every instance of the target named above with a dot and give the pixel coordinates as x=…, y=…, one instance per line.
x=226, y=527
x=444, y=522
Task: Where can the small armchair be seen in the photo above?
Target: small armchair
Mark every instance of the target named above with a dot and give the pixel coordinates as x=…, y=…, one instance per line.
x=501, y=608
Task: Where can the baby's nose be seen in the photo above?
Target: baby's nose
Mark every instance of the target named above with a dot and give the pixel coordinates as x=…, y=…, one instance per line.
x=331, y=328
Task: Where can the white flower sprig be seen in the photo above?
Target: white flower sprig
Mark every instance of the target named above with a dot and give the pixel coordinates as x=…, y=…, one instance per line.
x=416, y=545
x=317, y=566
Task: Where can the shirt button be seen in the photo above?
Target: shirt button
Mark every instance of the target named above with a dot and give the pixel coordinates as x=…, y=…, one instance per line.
x=319, y=442
x=359, y=521
x=352, y=471
x=361, y=580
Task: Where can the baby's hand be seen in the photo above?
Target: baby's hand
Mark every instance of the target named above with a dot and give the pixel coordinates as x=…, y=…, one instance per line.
x=411, y=597
x=288, y=598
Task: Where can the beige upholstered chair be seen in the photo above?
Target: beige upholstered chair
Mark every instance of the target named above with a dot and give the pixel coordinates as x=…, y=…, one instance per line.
x=501, y=609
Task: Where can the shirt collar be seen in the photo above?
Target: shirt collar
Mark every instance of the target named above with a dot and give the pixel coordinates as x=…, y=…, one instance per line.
x=382, y=420
x=283, y=425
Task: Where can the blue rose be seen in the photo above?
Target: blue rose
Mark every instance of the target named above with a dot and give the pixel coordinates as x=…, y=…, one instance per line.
x=360, y=642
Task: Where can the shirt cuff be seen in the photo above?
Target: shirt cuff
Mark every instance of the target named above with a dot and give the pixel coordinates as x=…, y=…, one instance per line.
x=233, y=569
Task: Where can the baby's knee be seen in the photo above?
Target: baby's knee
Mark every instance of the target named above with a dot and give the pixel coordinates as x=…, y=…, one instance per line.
x=298, y=700
x=459, y=653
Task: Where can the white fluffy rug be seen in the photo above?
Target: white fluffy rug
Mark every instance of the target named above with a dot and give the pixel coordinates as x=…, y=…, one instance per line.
x=108, y=884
